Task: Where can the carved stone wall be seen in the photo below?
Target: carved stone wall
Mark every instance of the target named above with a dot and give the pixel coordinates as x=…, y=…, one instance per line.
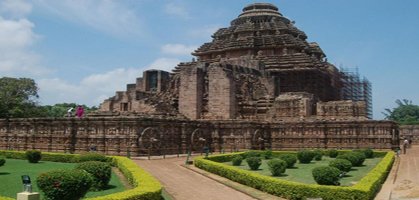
x=140, y=136
x=410, y=132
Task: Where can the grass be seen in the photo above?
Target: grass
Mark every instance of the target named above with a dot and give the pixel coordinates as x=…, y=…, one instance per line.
x=302, y=172
x=10, y=177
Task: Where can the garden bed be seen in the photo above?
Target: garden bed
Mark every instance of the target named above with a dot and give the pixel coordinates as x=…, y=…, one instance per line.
x=364, y=189
x=144, y=185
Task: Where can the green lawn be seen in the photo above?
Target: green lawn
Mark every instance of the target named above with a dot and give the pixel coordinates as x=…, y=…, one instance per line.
x=10, y=177
x=302, y=172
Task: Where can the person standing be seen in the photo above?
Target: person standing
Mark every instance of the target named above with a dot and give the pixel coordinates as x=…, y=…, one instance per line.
x=70, y=112
x=80, y=111
x=405, y=145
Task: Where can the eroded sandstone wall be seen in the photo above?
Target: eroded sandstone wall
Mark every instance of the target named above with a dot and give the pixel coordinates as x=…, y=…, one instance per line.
x=134, y=136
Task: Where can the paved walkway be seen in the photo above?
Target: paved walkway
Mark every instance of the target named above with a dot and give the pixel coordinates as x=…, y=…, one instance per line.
x=403, y=180
x=185, y=184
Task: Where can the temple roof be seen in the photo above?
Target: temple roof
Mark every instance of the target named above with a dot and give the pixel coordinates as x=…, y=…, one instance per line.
x=258, y=28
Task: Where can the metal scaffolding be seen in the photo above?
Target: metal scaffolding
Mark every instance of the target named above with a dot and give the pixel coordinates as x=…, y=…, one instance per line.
x=356, y=88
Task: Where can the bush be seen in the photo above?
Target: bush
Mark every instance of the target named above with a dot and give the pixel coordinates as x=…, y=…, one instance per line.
x=254, y=162
x=277, y=166
x=305, y=156
x=2, y=161
x=267, y=154
x=356, y=158
x=33, y=156
x=326, y=175
x=290, y=159
x=318, y=154
x=369, y=153
x=333, y=153
x=251, y=154
x=92, y=157
x=342, y=164
x=64, y=184
x=237, y=161
x=101, y=173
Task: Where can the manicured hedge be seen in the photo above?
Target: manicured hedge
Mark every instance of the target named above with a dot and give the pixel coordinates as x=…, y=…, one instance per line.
x=145, y=185
x=365, y=189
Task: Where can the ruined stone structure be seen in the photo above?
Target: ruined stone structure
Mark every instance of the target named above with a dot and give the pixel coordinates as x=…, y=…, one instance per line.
x=259, y=84
x=138, y=136
x=259, y=68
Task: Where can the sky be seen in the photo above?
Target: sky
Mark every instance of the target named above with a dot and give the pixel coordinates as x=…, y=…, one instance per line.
x=83, y=51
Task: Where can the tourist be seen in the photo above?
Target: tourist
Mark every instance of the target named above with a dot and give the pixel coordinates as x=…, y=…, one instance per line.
x=405, y=145
x=398, y=151
x=70, y=112
x=80, y=111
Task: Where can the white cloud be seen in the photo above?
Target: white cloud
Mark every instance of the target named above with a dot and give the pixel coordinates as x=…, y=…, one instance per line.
x=176, y=10
x=16, y=39
x=166, y=64
x=91, y=90
x=111, y=17
x=15, y=8
x=204, y=32
x=178, y=49
x=95, y=88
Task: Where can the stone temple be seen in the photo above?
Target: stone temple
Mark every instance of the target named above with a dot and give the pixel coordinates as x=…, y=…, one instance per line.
x=259, y=68
x=257, y=85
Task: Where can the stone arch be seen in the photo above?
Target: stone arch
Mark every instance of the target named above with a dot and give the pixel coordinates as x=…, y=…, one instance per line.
x=258, y=139
x=199, y=138
x=149, y=138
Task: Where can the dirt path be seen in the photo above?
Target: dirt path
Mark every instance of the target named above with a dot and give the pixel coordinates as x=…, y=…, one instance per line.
x=403, y=181
x=184, y=184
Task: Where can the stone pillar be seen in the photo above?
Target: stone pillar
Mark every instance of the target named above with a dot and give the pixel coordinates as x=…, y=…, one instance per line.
x=221, y=94
x=191, y=92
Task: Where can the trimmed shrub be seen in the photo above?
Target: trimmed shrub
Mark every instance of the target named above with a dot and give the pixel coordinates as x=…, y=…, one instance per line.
x=356, y=158
x=237, y=161
x=305, y=156
x=342, y=164
x=277, y=166
x=290, y=159
x=251, y=154
x=267, y=154
x=369, y=153
x=333, y=153
x=100, y=171
x=92, y=157
x=2, y=161
x=33, y=156
x=361, y=158
x=326, y=175
x=254, y=162
x=318, y=154
x=64, y=184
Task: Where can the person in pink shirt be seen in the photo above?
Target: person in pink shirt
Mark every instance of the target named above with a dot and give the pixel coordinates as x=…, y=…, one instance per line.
x=80, y=111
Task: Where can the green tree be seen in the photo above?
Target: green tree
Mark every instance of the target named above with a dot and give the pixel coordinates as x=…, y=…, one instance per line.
x=18, y=98
x=404, y=113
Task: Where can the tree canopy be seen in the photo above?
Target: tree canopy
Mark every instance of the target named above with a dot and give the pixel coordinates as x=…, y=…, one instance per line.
x=404, y=113
x=18, y=99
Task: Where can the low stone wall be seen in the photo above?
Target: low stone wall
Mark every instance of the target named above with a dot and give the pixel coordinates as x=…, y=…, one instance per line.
x=142, y=136
x=410, y=132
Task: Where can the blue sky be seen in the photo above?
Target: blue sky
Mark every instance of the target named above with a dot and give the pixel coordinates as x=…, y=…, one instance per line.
x=84, y=50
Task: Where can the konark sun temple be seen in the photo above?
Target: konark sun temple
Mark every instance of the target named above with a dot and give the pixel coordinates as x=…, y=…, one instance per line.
x=259, y=84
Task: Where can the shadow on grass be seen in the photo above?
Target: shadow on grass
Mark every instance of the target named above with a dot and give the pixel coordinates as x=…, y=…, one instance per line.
x=4, y=173
x=282, y=175
x=293, y=167
x=354, y=169
x=109, y=187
